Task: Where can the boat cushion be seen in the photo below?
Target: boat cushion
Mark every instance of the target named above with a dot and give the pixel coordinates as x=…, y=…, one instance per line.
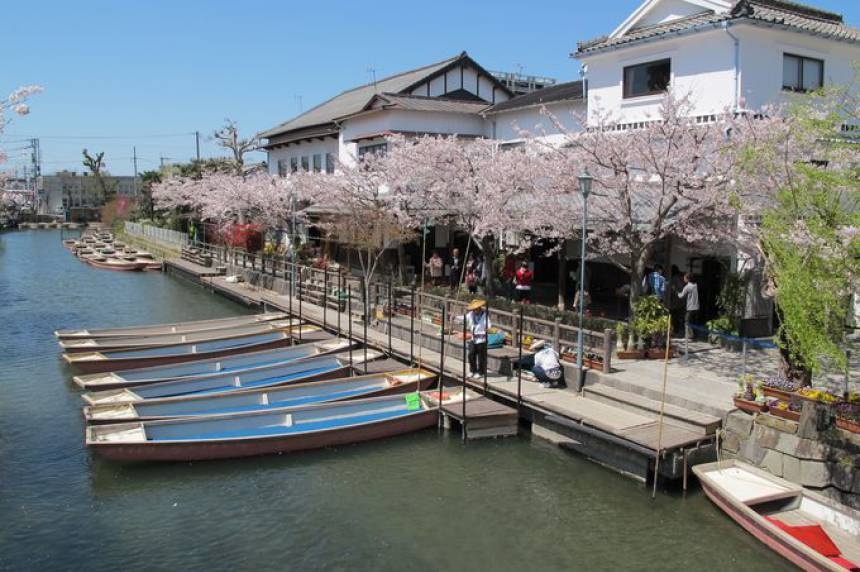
x=845, y=563
x=813, y=536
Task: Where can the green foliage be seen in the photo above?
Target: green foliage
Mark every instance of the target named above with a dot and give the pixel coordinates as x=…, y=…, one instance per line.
x=650, y=316
x=731, y=300
x=722, y=325
x=811, y=242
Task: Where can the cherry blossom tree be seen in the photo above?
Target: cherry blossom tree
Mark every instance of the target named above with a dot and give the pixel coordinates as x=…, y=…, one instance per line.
x=226, y=198
x=469, y=183
x=668, y=176
x=360, y=206
x=14, y=104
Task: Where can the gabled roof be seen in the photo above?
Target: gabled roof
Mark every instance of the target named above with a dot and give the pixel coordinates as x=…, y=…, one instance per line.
x=354, y=100
x=424, y=103
x=570, y=91
x=791, y=15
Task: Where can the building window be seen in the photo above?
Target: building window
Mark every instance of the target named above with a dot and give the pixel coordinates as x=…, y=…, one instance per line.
x=294, y=164
x=329, y=163
x=317, y=163
x=802, y=74
x=305, y=164
x=375, y=148
x=282, y=167
x=647, y=79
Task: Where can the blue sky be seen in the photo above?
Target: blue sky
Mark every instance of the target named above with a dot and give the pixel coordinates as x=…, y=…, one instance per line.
x=122, y=73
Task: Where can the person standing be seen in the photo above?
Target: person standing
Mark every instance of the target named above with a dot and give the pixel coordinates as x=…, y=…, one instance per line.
x=655, y=283
x=690, y=294
x=523, y=283
x=477, y=324
x=456, y=268
x=436, y=266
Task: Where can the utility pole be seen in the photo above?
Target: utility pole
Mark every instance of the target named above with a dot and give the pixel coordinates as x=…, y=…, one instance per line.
x=134, y=181
x=197, y=139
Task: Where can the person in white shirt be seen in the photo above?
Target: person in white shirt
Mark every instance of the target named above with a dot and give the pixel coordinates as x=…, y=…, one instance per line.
x=691, y=293
x=477, y=324
x=544, y=364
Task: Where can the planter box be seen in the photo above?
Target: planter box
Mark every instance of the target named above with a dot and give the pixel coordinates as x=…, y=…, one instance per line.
x=785, y=413
x=660, y=353
x=749, y=406
x=631, y=354
x=587, y=362
x=778, y=393
x=848, y=425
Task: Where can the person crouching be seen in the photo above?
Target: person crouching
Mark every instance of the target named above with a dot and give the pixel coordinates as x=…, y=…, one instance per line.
x=547, y=368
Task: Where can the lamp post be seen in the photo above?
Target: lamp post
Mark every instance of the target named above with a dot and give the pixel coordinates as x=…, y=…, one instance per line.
x=585, y=181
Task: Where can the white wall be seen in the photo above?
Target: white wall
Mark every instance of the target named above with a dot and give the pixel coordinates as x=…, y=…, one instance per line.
x=509, y=124
x=703, y=65
x=453, y=81
x=761, y=61
x=402, y=120
x=304, y=149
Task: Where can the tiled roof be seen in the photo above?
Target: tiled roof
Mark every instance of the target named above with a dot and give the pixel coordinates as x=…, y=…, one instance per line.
x=560, y=92
x=353, y=100
x=768, y=12
x=424, y=103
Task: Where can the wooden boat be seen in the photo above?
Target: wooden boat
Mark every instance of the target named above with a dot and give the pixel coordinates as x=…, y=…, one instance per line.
x=309, y=369
x=97, y=362
x=281, y=430
x=809, y=529
x=341, y=389
x=166, y=340
x=114, y=264
x=232, y=364
x=173, y=328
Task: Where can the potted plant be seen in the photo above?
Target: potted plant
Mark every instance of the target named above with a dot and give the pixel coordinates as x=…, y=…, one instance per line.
x=779, y=387
x=717, y=328
x=749, y=396
x=635, y=349
x=620, y=337
x=819, y=395
x=848, y=416
x=786, y=409
x=652, y=320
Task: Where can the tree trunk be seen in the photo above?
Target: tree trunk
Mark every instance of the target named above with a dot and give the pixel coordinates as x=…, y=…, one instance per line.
x=562, y=276
x=637, y=271
x=488, y=246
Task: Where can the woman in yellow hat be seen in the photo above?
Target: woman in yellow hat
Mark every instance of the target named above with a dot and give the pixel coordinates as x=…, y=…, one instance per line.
x=477, y=323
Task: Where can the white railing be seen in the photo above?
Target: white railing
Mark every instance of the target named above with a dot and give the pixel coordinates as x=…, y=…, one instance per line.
x=164, y=236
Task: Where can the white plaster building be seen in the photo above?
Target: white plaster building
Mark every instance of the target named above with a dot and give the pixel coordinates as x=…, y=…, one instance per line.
x=728, y=55
x=443, y=98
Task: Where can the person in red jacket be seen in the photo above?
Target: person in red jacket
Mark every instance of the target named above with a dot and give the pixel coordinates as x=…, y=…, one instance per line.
x=523, y=283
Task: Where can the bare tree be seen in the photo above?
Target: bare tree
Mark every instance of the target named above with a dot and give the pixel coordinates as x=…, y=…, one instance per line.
x=95, y=164
x=228, y=138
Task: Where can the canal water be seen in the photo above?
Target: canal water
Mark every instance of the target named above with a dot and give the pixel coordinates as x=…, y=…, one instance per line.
x=418, y=502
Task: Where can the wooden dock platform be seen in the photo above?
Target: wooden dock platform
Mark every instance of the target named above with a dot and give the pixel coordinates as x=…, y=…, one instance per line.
x=484, y=418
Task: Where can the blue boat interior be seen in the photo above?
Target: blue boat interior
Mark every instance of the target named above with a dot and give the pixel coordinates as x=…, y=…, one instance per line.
x=203, y=347
x=273, y=430
x=304, y=400
x=170, y=389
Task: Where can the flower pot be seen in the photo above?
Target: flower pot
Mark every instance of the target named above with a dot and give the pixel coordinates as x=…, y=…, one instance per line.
x=785, y=413
x=749, y=406
x=631, y=354
x=848, y=425
x=660, y=353
x=778, y=393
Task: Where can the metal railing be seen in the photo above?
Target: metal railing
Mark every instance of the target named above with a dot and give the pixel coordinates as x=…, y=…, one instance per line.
x=164, y=236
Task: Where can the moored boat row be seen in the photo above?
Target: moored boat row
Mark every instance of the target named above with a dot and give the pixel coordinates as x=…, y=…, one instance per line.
x=99, y=249
x=236, y=387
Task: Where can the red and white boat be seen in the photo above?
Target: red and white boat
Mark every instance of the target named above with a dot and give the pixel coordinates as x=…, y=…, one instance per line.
x=808, y=529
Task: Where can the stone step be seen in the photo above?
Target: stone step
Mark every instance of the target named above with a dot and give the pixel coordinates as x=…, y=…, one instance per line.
x=696, y=421
x=687, y=399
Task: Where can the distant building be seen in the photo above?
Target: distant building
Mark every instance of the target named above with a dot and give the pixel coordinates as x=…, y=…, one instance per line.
x=521, y=84
x=65, y=190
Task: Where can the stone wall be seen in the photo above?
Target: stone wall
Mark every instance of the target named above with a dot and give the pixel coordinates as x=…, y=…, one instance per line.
x=811, y=452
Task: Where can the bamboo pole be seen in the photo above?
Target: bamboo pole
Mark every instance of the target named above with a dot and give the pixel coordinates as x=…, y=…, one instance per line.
x=662, y=405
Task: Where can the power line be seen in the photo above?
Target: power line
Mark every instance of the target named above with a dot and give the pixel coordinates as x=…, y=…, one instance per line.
x=148, y=136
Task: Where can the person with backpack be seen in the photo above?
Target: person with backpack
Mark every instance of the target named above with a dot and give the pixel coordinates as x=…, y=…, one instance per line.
x=654, y=283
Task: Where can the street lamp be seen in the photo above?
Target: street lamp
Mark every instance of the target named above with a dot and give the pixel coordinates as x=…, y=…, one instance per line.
x=585, y=181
